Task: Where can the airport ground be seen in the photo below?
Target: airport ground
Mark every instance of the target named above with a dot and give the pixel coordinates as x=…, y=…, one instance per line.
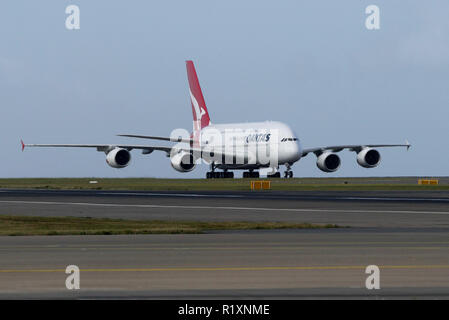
x=295, y=184
x=405, y=233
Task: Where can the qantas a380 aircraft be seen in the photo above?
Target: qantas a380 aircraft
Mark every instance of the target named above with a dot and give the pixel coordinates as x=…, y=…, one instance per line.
x=237, y=146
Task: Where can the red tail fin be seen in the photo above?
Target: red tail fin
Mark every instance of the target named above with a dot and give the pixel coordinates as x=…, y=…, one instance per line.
x=200, y=115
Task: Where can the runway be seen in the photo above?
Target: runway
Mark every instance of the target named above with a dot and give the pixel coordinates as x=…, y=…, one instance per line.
x=405, y=234
x=355, y=209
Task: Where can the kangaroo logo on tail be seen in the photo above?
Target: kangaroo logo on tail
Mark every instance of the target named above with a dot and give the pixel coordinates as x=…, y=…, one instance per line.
x=198, y=112
x=201, y=117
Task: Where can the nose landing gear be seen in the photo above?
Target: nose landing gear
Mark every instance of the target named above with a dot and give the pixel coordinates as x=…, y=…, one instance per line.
x=288, y=173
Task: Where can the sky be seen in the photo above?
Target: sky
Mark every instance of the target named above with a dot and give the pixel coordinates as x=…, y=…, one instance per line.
x=311, y=64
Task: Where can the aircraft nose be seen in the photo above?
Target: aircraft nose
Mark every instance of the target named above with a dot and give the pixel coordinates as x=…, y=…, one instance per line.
x=292, y=151
x=297, y=152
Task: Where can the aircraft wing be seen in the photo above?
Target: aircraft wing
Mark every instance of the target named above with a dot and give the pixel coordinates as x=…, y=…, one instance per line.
x=172, y=139
x=146, y=149
x=101, y=147
x=356, y=148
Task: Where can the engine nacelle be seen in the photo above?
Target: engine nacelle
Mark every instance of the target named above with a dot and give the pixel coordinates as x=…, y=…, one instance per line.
x=183, y=161
x=368, y=158
x=328, y=162
x=118, y=158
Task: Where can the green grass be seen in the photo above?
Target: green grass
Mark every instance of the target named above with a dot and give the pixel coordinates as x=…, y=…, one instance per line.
x=27, y=226
x=151, y=184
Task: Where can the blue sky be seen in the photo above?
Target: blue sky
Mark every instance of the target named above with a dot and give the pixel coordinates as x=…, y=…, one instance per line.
x=311, y=64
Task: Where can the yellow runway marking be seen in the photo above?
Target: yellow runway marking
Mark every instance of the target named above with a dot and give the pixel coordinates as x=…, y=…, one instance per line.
x=313, y=268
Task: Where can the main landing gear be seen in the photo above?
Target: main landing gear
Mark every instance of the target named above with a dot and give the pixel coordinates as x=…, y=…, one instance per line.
x=274, y=175
x=251, y=174
x=219, y=175
x=225, y=174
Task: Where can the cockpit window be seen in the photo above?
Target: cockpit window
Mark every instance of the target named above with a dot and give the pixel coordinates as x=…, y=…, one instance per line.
x=289, y=139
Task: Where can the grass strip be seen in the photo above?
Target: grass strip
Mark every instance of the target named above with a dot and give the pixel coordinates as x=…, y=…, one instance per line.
x=153, y=184
x=28, y=226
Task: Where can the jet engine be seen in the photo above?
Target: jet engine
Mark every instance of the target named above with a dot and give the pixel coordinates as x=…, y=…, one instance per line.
x=328, y=162
x=183, y=161
x=118, y=158
x=368, y=158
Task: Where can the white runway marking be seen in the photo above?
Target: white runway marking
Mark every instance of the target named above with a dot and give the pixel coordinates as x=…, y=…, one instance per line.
x=117, y=205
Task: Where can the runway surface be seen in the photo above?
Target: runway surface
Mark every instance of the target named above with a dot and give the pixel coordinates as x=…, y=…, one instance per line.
x=406, y=234
x=355, y=209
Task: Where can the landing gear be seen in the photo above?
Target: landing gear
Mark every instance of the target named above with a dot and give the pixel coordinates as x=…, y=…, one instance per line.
x=288, y=173
x=251, y=174
x=228, y=175
x=274, y=175
x=219, y=175
x=211, y=174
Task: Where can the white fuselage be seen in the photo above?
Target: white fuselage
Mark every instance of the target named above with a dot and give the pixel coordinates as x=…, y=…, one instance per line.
x=262, y=140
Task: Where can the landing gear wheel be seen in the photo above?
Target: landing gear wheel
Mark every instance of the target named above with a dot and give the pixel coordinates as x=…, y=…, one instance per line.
x=274, y=175
x=219, y=175
x=229, y=175
x=211, y=174
x=250, y=174
x=288, y=174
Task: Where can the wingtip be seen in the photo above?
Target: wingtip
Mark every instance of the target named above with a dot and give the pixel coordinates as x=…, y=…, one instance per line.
x=23, y=144
x=407, y=144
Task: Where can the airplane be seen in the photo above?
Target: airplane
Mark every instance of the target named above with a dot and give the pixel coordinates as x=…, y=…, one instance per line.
x=247, y=146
